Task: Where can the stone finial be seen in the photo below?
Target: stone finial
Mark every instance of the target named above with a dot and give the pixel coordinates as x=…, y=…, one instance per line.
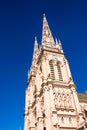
x=47, y=38
x=60, y=45
x=56, y=41
x=35, y=45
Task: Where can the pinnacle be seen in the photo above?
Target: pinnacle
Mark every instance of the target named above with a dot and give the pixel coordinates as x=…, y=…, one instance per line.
x=35, y=45
x=36, y=51
x=44, y=14
x=35, y=41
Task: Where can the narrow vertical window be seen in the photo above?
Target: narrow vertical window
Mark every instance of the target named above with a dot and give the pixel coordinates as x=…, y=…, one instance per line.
x=59, y=72
x=52, y=71
x=62, y=120
x=44, y=128
x=70, y=120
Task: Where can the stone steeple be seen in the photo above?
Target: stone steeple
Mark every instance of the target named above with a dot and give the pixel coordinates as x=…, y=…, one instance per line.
x=47, y=38
x=51, y=98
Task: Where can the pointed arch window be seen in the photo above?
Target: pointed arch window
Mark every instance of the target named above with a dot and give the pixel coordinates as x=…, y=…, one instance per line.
x=59, y=72
x=52, y=74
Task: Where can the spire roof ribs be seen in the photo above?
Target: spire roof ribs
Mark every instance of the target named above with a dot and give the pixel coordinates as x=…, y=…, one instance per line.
x=47, y=38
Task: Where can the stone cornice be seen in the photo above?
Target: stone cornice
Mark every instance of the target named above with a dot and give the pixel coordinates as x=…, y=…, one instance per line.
x=51, y=49
x=65, y=109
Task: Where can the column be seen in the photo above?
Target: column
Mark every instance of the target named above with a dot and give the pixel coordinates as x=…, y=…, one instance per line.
x=39, y=114
x=77, y=105
x=54, y=119
x=40, y=124
x=44, y=66
x=32, y=120
x=75, y=98
x=25, y=123
x=52, y=98
x=47, y=107
x=68, y=71
x=26, y=113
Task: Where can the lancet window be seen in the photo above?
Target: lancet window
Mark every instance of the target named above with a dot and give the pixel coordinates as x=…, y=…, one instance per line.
x=44, y=128
x=62, y=119
x=59, y=72
x=69, y=119
x=52, y=74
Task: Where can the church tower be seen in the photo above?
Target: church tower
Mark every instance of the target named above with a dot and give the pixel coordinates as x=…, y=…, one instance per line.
x=51, y=98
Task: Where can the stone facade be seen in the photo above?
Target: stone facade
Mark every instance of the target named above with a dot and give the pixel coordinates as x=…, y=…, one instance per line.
x=52, y=102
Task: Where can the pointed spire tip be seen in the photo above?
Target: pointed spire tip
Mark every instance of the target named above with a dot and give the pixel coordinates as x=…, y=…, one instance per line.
x=43, y=13
x=35, y=38
x=56, y=41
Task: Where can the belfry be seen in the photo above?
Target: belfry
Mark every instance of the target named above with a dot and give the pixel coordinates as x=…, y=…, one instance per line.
x=52, y=102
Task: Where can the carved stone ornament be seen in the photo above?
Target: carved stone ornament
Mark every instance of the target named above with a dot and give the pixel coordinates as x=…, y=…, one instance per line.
x=62, y=100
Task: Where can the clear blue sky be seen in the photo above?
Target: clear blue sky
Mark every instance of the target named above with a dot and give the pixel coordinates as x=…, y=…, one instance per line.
x=19, y=22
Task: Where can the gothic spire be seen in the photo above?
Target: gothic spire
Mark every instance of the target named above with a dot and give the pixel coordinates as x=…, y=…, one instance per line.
x=47, y=38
